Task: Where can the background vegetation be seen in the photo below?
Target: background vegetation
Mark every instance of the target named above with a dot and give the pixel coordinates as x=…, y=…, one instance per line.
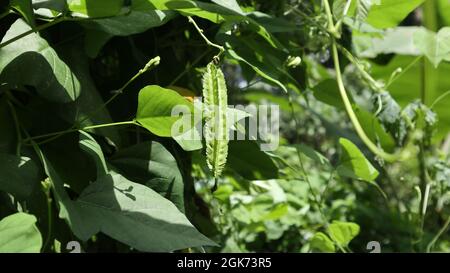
x=85, y=153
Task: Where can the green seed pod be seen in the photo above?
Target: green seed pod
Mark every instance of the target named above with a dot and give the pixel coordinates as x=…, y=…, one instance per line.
x=215, y=112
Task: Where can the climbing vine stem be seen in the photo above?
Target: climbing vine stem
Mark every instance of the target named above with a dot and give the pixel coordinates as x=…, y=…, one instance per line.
x=200, y=31
x=52, y=136
x=401, y=155
x=59, y=133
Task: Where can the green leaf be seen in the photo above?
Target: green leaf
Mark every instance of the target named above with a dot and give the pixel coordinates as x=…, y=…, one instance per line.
x=247, y=159
x=31, y=61
x=327, y=91
x=138, y=216
x=155, y=106
x=150, y=163
x=354, y=164
x=272, y=24
x=444, y=11
x=126, y=211
x=8, y=135
x=142, y=16
x=95, y=8
x=135, y=22
x=208, y=11
x=25, y=8
x=229, y=4
x=343, y=232
x=375, y=130
x=19, y=234
x=436, y=46
x=267, y=61
x=363, y=8
x=389, y=13
x=91, y=147
x=407, y=87
x=312, y=154
x=216, y=14
x=80, y=220
x=358, y=9
x=322, y=242
x=215, y=112
x=56, y=5
x=18, y=175
x=94, y=41
x=88, y=109
x=398, y=40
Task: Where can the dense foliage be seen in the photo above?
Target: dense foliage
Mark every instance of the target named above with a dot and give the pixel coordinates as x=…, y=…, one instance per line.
x=87, y=151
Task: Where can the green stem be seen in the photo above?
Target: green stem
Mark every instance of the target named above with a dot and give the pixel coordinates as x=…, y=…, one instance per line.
x=439, y=234
x=331, y=26
x=150, y=64
x=366, y=76
x=306, y=177
x=46, y=189
x=189, y=67
x=33, y=30
x=4, y=14
x=429, y=75
x=348, y=106
x=404, y=70
x=428, y=88
x=439, y=99
x=59, y=133
x=200, y=31
x=346, y=9
x=17, y=126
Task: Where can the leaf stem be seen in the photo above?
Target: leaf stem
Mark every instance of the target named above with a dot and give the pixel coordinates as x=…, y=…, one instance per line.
x=33, y=30
x=46, y=189
x=348, y=106
x=4, y=14
x=331, y=26
x=406, y=69
x=306, y=177
x=441, y=97
x=189, y=68
x=200, y=31
x=150, y=65
x=17, y=126
x=130, y=122
x=439, y=234
x=353, y=118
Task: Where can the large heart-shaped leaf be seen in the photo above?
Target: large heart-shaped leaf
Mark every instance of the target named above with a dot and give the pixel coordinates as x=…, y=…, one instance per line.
x=436, y=46
x=18, y=175
x=126, y=211
x=7, y=128
x=389, y=13
x=91, y=147
x=150, y=163
x=322, y=242
x=343, y=232
x=155, y=107
x=31, y=61
x=354, y=164
x=79, y=219
x=19, y=234
x=138, y=216
x=95, y=8
x=25, y=8
x=225, y=11
x=247, y=159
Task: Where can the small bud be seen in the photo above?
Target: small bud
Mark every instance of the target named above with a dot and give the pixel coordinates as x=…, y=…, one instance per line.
x=293, y=61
